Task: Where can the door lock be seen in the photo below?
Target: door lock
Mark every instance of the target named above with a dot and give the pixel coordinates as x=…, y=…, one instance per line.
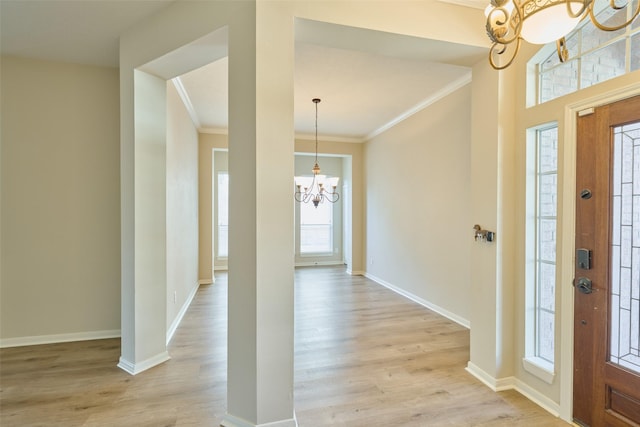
x=584, y=285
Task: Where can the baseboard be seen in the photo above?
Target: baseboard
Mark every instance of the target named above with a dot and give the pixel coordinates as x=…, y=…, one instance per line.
x=433, y=307
x=176, y=322
x=355, y=272
x=58, y=338
x=231, y=421
x=513, y=383
x=207, y=281
x=135, y=368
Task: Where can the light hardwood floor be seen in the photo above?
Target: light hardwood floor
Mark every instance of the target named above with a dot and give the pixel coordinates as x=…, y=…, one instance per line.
x=364, y=356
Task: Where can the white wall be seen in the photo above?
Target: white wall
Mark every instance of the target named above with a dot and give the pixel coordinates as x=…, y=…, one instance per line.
x=60, y=276
x=182, y=207
x=418, y=224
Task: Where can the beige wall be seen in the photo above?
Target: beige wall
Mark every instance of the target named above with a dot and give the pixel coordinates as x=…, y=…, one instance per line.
x=182, y=207
x=60, y=202
x=418, y=228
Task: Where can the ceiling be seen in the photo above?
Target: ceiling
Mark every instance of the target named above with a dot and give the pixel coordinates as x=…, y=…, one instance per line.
x=367, y=80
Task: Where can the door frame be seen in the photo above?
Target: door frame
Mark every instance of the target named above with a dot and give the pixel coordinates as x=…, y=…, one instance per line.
x=567, y=238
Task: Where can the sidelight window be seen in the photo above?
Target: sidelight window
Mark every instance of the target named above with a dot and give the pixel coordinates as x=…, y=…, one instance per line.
x=542, y=204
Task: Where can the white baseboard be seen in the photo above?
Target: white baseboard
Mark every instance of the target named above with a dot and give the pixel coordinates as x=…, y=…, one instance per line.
x=58, y=338
x=181, y=313
x=355, y=272
x=231, y=421
x=433, y=307
x=513, y=383
x=207, y=281
x=135, y=368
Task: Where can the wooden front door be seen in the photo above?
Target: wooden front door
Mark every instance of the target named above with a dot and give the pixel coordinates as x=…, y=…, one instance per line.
x=606, y=385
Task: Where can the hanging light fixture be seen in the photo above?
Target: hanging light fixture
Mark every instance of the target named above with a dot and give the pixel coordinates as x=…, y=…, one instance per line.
x=540, y=22
x=316, y=188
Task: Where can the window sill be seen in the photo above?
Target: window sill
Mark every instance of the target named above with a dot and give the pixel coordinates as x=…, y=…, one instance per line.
x=540, y=368
x=316, y=254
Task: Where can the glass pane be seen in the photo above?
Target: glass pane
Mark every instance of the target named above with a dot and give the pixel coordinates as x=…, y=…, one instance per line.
x=603, y=64
x=548, y=198
x=547, y=240
x=593, y=37
x=635, y=50
x=545, y=335
x=548, y=155
x=625, y=248
x=316, y=228
x=553, y=59
x=547, y=288
x=223, y=214
x=559, y=81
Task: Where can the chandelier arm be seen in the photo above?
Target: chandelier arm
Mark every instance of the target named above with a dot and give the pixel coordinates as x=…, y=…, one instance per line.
x=602, y=27
x=561, y=48
x=497, y=27
x=587, y=6
x=498, y=49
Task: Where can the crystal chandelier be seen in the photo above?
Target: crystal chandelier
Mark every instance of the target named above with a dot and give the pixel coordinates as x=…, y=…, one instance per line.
x=540, y=22
x=316, y=188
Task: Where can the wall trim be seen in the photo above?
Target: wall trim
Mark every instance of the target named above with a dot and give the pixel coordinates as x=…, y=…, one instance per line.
x=513, y=383
x=355, y=272
x=186, y=101
x=136, y=368
x=59, y=338
x=230, y=421
x=183, y=310
x=433, y=307
x=442, y=93
x=207, y=281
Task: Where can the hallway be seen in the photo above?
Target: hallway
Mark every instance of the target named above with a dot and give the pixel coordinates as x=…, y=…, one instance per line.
x=364, y=356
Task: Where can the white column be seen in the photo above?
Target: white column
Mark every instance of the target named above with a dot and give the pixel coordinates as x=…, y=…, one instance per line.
x=143, y=184
x=261, y=146
x=492, y=204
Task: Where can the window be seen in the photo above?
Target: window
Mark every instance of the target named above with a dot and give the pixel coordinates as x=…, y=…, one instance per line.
x=594, y=56
x=542, y=203
x=316, y=228
x=223, y=214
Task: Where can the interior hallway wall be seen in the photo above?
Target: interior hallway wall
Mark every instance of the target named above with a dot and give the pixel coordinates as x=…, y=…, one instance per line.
x=60, y=277
x=419, y=229
x=182, y=207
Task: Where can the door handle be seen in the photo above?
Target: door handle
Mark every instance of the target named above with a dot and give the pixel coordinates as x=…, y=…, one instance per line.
x=584, y=285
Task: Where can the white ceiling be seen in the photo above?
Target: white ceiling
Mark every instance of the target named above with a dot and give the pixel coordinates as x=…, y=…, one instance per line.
x=367, y=80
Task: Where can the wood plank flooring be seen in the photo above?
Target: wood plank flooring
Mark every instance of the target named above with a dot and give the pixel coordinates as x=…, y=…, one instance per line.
x=364, y=356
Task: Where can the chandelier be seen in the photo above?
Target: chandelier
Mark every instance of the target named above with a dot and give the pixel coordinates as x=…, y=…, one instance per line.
x=316, y=188
x=540, y=22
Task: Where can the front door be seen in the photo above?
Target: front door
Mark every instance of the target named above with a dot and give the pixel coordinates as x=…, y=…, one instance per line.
x=606, y=386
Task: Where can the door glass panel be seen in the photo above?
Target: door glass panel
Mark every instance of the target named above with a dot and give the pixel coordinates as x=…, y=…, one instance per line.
x=625, y=248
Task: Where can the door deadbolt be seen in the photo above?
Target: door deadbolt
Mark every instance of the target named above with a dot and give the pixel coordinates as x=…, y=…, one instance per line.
x=584, y=285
